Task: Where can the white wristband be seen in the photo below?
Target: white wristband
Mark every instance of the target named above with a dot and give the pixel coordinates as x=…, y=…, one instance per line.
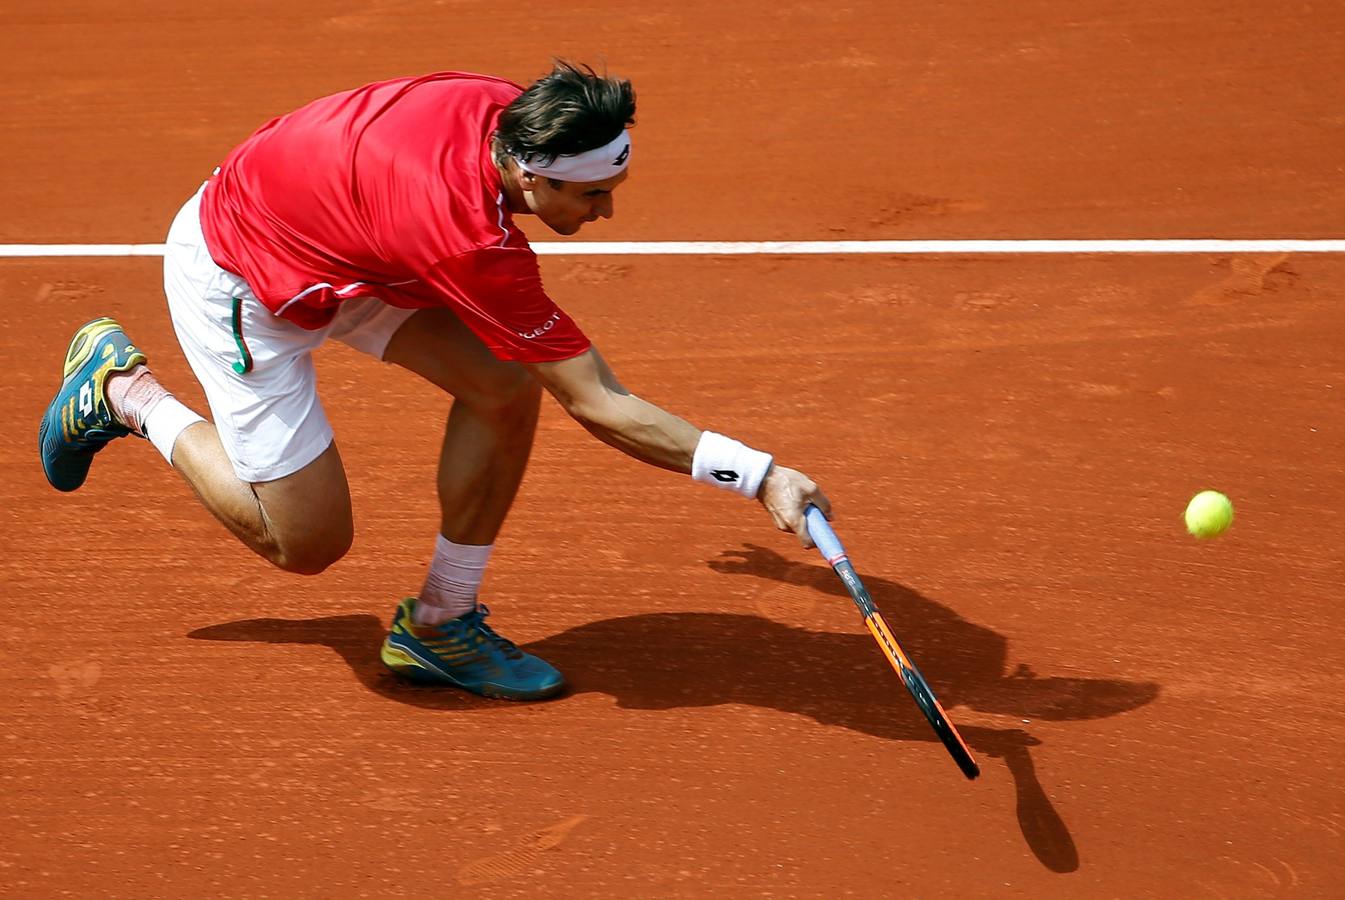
x=729, y=464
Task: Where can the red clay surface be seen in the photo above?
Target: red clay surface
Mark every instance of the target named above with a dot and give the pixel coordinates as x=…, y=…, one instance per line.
x=1008, y=441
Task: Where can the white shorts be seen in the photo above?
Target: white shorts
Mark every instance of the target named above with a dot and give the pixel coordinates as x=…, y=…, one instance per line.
x=269, y=418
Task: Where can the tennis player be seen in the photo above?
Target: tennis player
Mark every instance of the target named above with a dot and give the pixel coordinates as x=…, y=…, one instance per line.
x=383, y=217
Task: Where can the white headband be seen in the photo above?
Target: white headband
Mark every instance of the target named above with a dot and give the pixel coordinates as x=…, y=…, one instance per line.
x=598, y=164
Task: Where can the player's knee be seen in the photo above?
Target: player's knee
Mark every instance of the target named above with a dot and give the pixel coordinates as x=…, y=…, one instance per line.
x=513, y=398
x=314, y=554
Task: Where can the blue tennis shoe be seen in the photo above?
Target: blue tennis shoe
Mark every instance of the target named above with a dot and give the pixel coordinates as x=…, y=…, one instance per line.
x=466, y=653
x=78, y=422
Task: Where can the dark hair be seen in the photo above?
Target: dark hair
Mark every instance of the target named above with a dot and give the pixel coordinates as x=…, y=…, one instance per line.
x=569, y=111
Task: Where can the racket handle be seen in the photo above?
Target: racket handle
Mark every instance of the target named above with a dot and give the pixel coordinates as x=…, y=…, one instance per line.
x=819, y=529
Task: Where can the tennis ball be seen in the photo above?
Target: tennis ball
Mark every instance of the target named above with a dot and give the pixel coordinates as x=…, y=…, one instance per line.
x=1209, y=514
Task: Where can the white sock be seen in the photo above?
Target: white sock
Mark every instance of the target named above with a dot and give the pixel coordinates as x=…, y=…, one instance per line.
x=165, y=422
x=452, y=582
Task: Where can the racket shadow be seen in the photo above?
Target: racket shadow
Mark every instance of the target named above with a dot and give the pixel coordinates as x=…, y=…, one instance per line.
x=966, y=665
x=681, y=660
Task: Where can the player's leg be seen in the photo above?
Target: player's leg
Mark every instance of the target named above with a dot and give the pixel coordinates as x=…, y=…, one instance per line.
x=296, y=514
x=490, y=427
x=300, y=522
x=440, y=636
x=487, y=441
x=267, y=467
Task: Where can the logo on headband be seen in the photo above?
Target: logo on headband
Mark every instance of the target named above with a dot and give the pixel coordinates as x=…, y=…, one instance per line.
x=621, y=160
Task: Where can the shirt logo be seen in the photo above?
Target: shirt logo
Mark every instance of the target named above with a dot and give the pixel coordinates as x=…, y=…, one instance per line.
x=541, y=329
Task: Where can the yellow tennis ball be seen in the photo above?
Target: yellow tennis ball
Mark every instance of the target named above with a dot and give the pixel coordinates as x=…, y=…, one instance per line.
x=1209, y=514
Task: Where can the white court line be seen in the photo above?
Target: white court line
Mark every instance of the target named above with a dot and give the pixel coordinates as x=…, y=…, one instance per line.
x=748, y=248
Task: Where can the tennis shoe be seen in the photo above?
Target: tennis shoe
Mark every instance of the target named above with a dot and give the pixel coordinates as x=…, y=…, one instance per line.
x=78, y=422
x=466, y=653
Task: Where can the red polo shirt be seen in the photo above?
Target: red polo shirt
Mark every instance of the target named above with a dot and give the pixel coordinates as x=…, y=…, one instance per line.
x=387, y=191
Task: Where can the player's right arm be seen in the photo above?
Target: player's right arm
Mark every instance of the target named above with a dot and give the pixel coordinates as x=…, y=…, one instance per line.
x=588, y=390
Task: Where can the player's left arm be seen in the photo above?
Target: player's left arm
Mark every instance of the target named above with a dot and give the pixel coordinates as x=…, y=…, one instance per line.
x=588, y=389
x=497, y=292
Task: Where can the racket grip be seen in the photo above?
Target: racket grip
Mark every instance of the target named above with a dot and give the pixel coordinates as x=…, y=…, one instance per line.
x=819, y=529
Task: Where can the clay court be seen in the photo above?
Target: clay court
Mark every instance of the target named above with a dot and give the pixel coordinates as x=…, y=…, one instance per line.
x=1009, y=441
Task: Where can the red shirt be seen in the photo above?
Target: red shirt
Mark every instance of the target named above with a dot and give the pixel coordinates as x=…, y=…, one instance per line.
x=387, y=191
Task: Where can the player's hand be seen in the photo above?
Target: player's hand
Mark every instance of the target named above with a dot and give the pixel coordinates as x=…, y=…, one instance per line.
x=786, y=493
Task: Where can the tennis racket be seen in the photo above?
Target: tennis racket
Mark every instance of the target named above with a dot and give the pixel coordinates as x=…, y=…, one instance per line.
x=832, y=551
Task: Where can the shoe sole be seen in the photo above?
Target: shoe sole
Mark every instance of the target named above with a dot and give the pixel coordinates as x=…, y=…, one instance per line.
x=82, y=346
x=85, y=339
x=407, y=666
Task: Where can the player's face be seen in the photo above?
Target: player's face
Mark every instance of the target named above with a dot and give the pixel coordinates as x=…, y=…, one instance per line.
x=566, y=206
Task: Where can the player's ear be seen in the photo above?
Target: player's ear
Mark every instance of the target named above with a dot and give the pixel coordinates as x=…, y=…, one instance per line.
x=527, y=180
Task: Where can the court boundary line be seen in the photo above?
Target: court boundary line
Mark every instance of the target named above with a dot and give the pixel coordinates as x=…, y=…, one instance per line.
x=796, y=248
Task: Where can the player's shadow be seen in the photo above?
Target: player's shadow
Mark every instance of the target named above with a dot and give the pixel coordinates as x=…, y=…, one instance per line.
x=679, y=660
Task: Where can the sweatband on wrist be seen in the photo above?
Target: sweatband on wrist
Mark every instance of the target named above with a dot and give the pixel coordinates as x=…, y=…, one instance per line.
x=729, y=464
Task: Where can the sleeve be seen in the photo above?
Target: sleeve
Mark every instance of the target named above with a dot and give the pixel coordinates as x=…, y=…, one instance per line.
x=498, y=293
